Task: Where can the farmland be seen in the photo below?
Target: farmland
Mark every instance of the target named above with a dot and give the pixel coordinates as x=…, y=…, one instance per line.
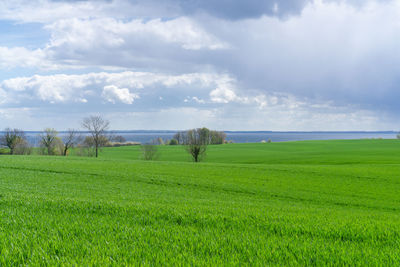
x=313, y=203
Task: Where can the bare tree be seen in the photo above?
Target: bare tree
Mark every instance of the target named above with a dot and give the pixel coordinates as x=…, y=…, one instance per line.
x=97, y=127
x=11, y=138
x=70, y=140
x=48, y=140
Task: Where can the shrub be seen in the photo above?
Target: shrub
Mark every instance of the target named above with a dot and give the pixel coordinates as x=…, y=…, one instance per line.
x=4, y=151
x=173, y=142
x=149, y=151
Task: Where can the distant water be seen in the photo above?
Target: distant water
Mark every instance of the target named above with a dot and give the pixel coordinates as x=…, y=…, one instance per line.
x=244, y=137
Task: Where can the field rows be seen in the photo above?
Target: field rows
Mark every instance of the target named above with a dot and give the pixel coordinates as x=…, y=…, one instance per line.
x=119, y=211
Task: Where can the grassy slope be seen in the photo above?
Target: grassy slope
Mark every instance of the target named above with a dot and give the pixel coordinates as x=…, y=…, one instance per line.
x=313, y=202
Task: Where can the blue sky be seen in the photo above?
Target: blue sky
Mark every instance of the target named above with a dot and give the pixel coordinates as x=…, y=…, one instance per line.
x=175, y=64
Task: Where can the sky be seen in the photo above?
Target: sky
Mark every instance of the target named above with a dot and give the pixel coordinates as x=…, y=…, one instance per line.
x=288, y=65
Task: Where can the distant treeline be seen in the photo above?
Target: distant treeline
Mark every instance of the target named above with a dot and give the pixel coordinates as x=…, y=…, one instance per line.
x=50, y=143
x=206, y=136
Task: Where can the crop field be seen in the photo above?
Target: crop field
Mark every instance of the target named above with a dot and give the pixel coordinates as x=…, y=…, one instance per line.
x=308, y=203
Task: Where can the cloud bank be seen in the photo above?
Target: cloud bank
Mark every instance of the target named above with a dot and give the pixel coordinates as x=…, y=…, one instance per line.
x=281, y=65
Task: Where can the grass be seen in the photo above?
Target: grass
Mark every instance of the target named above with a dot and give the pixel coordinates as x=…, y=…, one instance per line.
x=308, y=203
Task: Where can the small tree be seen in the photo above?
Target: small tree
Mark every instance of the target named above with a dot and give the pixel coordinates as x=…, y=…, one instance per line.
x=398, y=136
x=49, y=141
x=97, y=127
x=70, y=140
x=11, y=138
x=196, y=143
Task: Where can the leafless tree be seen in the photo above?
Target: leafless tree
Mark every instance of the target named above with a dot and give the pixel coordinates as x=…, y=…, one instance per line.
x=97, y=127
x=70, y=140
x=11, y=138
x=48, y=140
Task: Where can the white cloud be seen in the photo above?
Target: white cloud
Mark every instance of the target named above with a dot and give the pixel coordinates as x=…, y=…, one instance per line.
x=194, y=99
x=223, y=95
x=21, y=57
x=112, y=93
x=79, y=36
x=52, y=88
x=123, y=87
x=109, y=42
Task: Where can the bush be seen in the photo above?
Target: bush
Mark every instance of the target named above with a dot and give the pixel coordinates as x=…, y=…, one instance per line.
x=4, y=151
x=149, y=152
x=173, y=142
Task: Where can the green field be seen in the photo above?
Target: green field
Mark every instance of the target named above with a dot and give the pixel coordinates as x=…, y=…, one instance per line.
x=308, y=203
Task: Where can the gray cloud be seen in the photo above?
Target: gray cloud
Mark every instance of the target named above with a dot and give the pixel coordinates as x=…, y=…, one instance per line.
x=238, y=9
x=234, y=9
x=46, y=11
